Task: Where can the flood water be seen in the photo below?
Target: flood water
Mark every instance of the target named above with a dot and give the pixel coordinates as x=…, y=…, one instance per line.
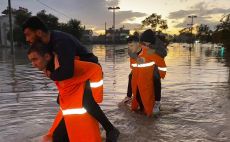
x=195, y=97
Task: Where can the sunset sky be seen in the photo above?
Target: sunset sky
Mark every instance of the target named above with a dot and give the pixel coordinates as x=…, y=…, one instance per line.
x=94, y=13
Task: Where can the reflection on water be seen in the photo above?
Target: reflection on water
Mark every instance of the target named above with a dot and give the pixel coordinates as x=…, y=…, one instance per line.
x=194, y=104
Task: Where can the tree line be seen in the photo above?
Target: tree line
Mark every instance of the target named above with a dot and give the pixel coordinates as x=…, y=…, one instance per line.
x=204, y=34
x=73, y=26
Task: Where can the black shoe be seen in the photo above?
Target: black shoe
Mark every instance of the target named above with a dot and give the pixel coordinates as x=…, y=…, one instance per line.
x=112, y=135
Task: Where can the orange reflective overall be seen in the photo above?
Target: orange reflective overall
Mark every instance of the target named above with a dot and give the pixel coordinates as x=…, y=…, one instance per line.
x=142, y=80
x=81, y=127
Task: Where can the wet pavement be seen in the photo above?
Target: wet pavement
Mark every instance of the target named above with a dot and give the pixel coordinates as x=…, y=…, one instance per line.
x=195, y=97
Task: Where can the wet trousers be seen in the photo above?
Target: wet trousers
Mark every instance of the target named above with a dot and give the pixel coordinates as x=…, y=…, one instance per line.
x=60, y=133
x=157, y=86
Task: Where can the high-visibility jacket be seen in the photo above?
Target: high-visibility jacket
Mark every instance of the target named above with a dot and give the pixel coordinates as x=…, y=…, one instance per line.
x=159, y=62
x=142, y=79
x=81, y=126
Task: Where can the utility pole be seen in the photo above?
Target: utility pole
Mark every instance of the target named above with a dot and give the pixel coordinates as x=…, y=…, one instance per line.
x=11, y=28
x=113, y=27
x=105, y=33
x=192, y=17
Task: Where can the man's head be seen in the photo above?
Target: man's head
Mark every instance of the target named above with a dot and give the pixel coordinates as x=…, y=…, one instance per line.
x=39, y=55
x=148, y=37
x=35, y=30
x=133, y=46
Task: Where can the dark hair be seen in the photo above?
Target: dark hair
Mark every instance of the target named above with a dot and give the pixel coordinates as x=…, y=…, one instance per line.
x=148, y=36
x=34, y=23
x=38, y=47
x=133, y=38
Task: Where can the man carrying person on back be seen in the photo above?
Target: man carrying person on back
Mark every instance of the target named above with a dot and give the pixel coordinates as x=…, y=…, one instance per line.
x=157, y=48
x=67, y=48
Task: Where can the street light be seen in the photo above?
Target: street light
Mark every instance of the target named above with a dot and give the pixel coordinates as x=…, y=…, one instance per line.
x=192, y=17
x=113, y=8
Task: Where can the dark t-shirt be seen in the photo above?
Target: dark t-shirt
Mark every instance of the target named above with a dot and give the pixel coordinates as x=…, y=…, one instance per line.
x=67, y=47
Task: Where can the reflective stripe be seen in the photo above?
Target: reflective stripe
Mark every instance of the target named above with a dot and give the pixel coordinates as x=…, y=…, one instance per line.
x=96, y=84
x=143, y=65
x=162, y=69
x=74, y=111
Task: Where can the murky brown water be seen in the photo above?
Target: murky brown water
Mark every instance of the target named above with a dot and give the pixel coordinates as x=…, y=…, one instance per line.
x=195, y=97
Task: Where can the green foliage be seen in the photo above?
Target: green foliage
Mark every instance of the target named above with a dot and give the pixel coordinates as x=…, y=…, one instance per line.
x=50, y=20
x=185, y=36
x=222, y=32
x=73, y=26
x=163, y=25
x=21, y=16
x=204, y=34
x=155, y=22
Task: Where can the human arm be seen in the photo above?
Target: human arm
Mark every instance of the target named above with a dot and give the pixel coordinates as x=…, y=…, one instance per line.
x=161, y=65
x=65, y=54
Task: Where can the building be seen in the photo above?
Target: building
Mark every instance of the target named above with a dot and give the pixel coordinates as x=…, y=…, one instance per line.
x=120, y=35
x=4, y=29
x=5, y=26
x=87, y=36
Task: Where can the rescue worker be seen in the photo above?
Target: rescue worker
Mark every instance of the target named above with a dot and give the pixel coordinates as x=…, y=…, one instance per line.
x=142, y=81
x=67, y=48
x=155, y=46
x=157, y=50
x=73, y=123
x=133, y=43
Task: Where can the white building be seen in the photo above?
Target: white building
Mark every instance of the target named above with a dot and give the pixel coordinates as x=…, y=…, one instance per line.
x=4, y=29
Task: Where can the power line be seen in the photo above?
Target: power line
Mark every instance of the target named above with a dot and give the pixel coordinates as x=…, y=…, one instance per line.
x=53, y=9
